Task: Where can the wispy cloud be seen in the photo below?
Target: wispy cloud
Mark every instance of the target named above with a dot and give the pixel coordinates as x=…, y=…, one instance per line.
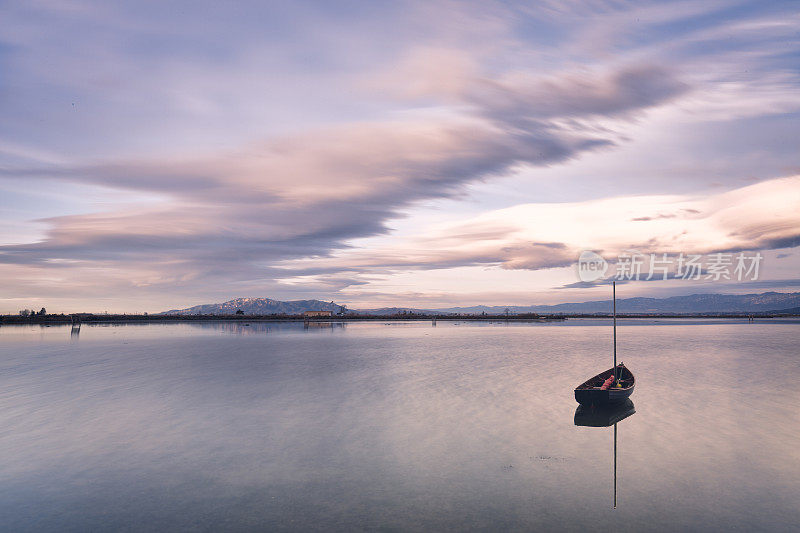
x=307, y=195
x=760, y=216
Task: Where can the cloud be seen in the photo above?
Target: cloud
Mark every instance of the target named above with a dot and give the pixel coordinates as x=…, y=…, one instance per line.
x=239, y=212
x=646, y=219
x=760, y=216
x=276, y=139
x=576, y=95
x=310, y=193
x=524, y=97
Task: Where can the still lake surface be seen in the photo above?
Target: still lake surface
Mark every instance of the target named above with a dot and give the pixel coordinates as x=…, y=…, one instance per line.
x=397, y=426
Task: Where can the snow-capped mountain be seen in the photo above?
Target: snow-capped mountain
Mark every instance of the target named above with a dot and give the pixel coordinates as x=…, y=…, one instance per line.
x=258, y=306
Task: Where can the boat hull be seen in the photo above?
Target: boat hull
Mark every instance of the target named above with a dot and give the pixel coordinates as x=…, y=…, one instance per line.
x=588, y=393
x=602, y=397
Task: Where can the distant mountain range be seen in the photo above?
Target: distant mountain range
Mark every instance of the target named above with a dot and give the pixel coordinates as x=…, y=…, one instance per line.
x=258, y=306
x=694, y=303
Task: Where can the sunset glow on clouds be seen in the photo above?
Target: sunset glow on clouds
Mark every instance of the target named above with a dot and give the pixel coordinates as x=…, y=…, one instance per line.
x=155, y=157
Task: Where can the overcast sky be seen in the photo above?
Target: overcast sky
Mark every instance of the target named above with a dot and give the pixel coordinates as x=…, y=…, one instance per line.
x=156, y=155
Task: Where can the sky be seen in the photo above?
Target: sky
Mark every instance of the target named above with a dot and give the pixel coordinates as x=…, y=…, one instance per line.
x=428, y=154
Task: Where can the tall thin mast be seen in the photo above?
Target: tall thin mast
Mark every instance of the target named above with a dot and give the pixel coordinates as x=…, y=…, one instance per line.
x=614, y=292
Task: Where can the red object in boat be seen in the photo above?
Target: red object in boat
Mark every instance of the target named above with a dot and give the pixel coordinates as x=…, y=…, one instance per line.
x=607, y=383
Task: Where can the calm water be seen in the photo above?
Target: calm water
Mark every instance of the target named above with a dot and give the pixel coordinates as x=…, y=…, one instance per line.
x=399, y=426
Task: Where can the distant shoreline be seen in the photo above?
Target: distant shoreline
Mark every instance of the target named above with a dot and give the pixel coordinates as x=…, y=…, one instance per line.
x=87, y=318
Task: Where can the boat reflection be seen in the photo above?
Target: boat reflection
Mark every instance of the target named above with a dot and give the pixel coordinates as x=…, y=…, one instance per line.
x=605, y=416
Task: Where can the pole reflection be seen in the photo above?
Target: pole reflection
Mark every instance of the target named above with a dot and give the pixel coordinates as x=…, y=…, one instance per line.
x=605, y=416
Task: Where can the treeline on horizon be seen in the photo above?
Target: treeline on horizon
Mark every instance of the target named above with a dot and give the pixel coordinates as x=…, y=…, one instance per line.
x=144, y=318
x=124, y=317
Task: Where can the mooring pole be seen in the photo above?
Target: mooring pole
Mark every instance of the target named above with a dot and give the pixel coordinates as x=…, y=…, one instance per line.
x=614, y=293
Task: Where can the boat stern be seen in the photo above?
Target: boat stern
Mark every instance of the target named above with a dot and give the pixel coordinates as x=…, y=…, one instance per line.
x=591, y=396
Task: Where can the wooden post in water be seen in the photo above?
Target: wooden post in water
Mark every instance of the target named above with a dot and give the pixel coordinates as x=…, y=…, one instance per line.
x=75, y=322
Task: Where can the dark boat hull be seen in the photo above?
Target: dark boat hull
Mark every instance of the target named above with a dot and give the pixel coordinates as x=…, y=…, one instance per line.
x=589, y=393
x=602, y=397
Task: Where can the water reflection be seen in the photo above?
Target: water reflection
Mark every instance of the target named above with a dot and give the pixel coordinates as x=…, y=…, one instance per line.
x=266, y=328
x=604, y=416
x=402, y=427
x=323, y=325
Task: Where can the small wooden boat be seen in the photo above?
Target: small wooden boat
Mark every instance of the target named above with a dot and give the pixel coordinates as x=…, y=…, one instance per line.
x=591, y=391
x=612, y=386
